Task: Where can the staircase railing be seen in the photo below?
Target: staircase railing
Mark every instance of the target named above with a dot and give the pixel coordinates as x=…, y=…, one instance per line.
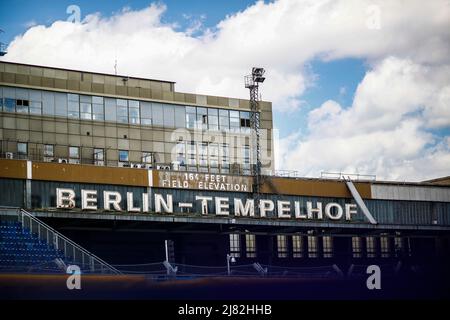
x=86, y=260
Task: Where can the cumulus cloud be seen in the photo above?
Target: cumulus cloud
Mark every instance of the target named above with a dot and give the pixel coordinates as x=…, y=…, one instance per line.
x=387, y=130
x=403, y=95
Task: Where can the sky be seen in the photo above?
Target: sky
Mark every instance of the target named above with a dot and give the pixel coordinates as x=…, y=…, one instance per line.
x=357, y=86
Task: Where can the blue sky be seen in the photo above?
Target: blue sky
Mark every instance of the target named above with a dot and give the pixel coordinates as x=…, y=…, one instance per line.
x=397, y=125
x=47, y=11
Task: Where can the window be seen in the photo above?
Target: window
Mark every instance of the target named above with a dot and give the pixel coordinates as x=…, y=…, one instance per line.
x=234, y=121
x=157, y=114
x=86, y=107
x=22, y=101
x=123, y=155
x=398, y=244
x=384, y=246
x=146, y=113
x=98, y=112
x=297, y=246
x=190, y=117
x=370, y=247
x=356, y=247
x=122, y=111
x=22, y=149
x=192, y=154
x=245, y=121
x=147, y=157
x=180, y=117
x=22, y=106
x=99, y=156
x=203, y=156
x=282, y=246
x=49, y=152
x=213, y=119
x=250, y=244
x=213, y=157
x=35, y=102
x=48, y=103
x=246, y=159
x=312, y=245
x=110, y=109
x=61, y=105
x=133, y=112
x=74, y=154
x=235, y=245
x=35, y=107
x=73, y=104
x=202, y=118
x=181, y=153
x=169, y=115
x=327, y=243
x=9, y=101
x=224, y=120
x=225, y=158
x=10, y=105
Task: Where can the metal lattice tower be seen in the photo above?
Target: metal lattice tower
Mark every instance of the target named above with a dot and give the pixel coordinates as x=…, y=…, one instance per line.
x=2, y=47
x=252, y=82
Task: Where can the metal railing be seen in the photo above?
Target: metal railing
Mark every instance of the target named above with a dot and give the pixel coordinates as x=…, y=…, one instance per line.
x=233, y=169
x=73, y=253
x=352, y=176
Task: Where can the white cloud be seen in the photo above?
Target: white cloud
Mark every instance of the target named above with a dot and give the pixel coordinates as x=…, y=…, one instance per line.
x=405, y=94
x=386, y=131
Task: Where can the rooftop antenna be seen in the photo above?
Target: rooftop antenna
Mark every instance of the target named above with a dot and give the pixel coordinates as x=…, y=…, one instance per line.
x=252, y=82
x=2, y=46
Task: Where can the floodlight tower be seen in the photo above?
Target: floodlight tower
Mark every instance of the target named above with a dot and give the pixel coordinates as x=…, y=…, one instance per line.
x=252, y=82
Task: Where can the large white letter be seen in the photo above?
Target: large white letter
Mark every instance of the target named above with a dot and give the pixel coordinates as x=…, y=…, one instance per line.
x=204, y=203
x=298, y=214
x=328, y=213
x=65, y=198
x=130, y=207
x=222, y=206
x=350, y=209
x=159, y=201
x=284, y=206
x=145, y=202
x=89, y=199
x=263, y=208
x=249, y=209
x=111, y=197
x=317, y=210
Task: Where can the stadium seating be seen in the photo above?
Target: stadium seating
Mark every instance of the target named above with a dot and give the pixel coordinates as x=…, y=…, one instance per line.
x=22, y=251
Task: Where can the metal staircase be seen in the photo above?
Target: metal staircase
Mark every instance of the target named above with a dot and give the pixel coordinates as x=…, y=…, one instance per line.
x=72, y=252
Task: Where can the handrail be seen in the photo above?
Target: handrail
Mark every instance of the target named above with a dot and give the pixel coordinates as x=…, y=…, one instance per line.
x=343, y=175
x=57, y=235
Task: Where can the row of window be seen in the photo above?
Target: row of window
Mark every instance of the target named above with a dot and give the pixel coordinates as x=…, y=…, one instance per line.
x=210, y=156
x=75, y=156
x=312, y=246
x=122, y=110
